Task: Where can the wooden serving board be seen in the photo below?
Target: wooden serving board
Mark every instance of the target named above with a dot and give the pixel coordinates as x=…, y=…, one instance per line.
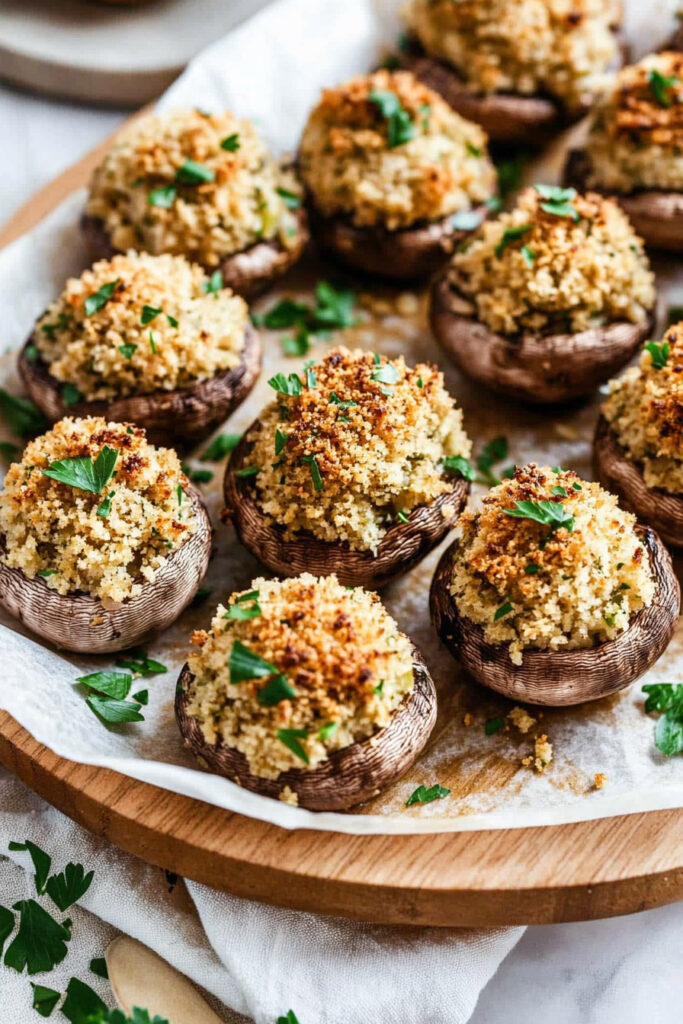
x=587, y=870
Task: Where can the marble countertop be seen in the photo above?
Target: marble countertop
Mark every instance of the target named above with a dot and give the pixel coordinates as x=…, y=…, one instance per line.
x=621, y=971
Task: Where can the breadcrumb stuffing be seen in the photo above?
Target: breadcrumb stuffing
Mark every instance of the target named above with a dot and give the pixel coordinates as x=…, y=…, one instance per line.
x=232, y=202
x=636, y=136
x=361, y=443
x=53, y=529
x=534, y=587
x=349, y=165
x=551, y=47
x=337, y=647
x=521, y=719
x=159, y=330
x=645, y=410
x=532, y=270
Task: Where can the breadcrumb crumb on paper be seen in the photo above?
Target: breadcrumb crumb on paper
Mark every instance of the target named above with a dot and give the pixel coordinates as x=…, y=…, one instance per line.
x=543, y=753
x=600, y=780
x=521, y=719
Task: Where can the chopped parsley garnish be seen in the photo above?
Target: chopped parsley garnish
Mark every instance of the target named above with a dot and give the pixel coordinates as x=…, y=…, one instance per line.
x=328, y=730
x=163, y=197
x=333, y=306
x=231, y=143
x=31, y=352
x=532, y=568
x=387, y=374
x=424, y=795
x=42, y=862
x=289, y=1018
x=83, y=1006
x=128, y=350
x=549, y=513
x=104, y=508
x=244, y=607
x=333, y=310
x=659, y=353
x=402, y=517
x=667, y=698
x=343, y=404
x=171, y=320
x=285, y=313
x=247, y=471
x=311, y=379
x=458, y=464
x=21, y=415
x=290, y=199
x=493, y=725
x=279, y=688
x=95, y=302
x=493, y=451
x=511, y=235
x=194, y=173
x=280, y=440
x=504, y=610
x=220, y=447
x=40, y=942
x=142, y=697
x=214, y=284
x=557, y=489
x=114, y=711
x=400, y=127
x=558, y=201
x=70, y=394
x=180, y=494
x=98, y=965
x=298, y=344
x=660, y=84
x=137, y=662
x=149, y=313
x=69, y=885
x=107, y=695
x=315, y=471
x=290, y=738
x=108, y=683
x=46, y=572
x=245, y=664
x=44, y=999
x=510, y=174
x=84, y=472
x=200, y=476
x=473, y=150
x=290, y=385
x=529, y=255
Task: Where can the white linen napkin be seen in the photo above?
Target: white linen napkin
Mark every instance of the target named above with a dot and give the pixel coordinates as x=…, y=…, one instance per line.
x=260, y=961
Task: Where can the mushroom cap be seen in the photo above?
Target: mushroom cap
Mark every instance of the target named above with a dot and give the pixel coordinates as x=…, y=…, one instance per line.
x=83, y=623
x=559, y=678
x=656, y=215
x=531, y=368
x=350, y=775
x=402, y=547
x=505, y=117
x=407, y=254
x=248, y=273
x=169, y=417
x=621, y=475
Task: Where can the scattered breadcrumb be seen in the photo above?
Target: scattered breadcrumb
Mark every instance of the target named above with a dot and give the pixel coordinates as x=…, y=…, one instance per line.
x=550, y=47
x=645, y=410
x=530, y=269
x=467, y=719
x=54, y=528
x=349, y=166
x=600, y=780
x=288, y=796
x=337, y=647
x=119, y=350
x=204, y=220
x=521, y=719
x=543, y=753
x=534, y=586
x=636, y=137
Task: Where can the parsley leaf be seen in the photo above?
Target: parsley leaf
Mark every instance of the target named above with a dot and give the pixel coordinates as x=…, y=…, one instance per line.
x=70, y=394
x=69, y=885
x=114, y=711
x=658, y=353
x=247, y=471
x=387, y=374
x=149, y=313
x=128, y=350
x=6, y=926
x=289, y=1018
x=511, y=235
x=285, y=313
x=95, y=302
x=137, y=662
x=214, y=284
x=277, y=689
x=400, y=127
x=558, y=201
x=298, y=344
x=667, y=698
x=108, y=683
x=104, y=508
x=220, y=447
x=98, y=965
x=194, y=173
x=316, y=477
x=290, y=738
x=245, y=664
x=510, y=173
x=231, y=143
x=290, y=385
x=82, y=1005
x=21, y=415
x=529, y=255
x=84, y=472
x=659, y=84
x=244, y=607
x=328, y=730
x=459, y=465
x=333, y=306
x=493, y=725
x=290, y=199
x=44, y=999
x=422, y=795
x=40, y=943
x=41, y=862
x=504, y=610
x=550, y=513
x=162, y=197
x=493, y=451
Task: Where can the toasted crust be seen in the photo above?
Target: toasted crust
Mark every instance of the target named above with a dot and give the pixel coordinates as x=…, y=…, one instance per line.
x=531, y=368
x=248, y=273
x=656, y=215
x=169, y=417
x=620, y=474
x=560, y=678
x=408, y=254
x=402, y=547
x=350, y=775
x=80, y=622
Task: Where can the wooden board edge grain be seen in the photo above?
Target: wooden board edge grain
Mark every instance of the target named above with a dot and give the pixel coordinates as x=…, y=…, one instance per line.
x=473, y=879
x=539, y=875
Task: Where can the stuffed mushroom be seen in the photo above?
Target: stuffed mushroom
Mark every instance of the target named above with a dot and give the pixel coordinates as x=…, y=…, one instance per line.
x=394, y=177
x=144, y=339
x=102, y=538
x=549, y=299
x=306, y=691
x=356, y=468
x=552, y=594
x=203, y=186
x=638, y=446
x=524, y=69
x=634, y=149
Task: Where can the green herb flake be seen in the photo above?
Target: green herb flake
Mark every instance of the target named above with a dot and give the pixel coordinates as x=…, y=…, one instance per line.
x=660, y=85
x=276, y=690
x=98, y=966
x=531, y=569
x=315, y=471
x=510, y=174
x=95, y=302
x=493, y=725
x=83, y=1006
x=290, y=738
x=83, y=472
x=137, y=662
x=42, y=862
x=245, y=664
x=44, y=999
x=152, y=343
x=667, y=698
x=247, y=471
x=511, y=235
x=149, y=313
x=402, y=517
x=194, y=173
x=244, y=607
x=504, y=610
x=424, y=795
x=31, y=353
x=44, y=573
x=458, y=465
x=40, y=942
x=328, y=730
x=70, y=394
x=400, y=127
x=386, y=374
x=342, y=403
x=298, y=344
x=142, y=697
x=108, y=683
x=128, y=350
x=493, y=451
x=221, y=446
x=289, y=1018
x=549, y=513
x=559, y=491
x=290, y=199
x=558, y=201
x=231, y=143
x=172, y=320
x=658, y=353
x=114, y=712
x=67, y=887
x=162, y=197
x=529, y=255
x=280, y=441
x=290, y=385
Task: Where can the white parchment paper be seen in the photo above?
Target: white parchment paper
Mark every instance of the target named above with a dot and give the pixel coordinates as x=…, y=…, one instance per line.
x=271, y=69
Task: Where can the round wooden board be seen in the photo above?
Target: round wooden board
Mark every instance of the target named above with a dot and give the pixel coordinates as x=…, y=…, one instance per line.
x=573, y=872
